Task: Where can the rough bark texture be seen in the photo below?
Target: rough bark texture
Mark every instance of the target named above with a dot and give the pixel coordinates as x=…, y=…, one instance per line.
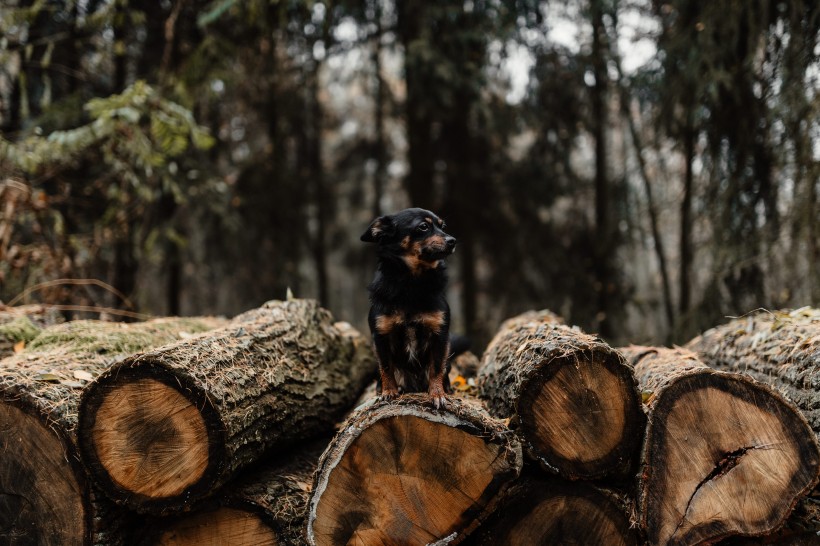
x=44, y=496
x=723, y=455
x=263, y=506
x=572, y=398
x=163, y=429
x=403, y=472
x=781, y=349
x=551, y=511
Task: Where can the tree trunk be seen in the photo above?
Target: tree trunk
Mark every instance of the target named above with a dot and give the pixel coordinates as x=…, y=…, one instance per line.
x=603, y=224
x=686, y=251
x=572, y=398
x=164, y=428
x=422, y=149
x=781, y=349
x=723, y=455
x=556, y=512
x=44, y=497
x=402, y=472
x=266, y=506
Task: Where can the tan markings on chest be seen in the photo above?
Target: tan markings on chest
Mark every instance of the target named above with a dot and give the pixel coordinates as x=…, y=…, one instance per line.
x=433, y=321
x=386, y=323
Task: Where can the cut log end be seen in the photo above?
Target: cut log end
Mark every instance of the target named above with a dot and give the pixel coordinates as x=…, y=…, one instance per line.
x=41, y=501
x=217, y=527
x=725, y=457
x=552, y=512
x=150, y=439
x=581, y=414
x=409, y=476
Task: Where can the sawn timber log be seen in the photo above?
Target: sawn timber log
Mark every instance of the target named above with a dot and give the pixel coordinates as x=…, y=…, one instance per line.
x=403, y=472
x=45, y=498
x=781, y=349
x=164, y=428
x=572, y=399
x=541, y=511
x=264, y=506
x=723, y=454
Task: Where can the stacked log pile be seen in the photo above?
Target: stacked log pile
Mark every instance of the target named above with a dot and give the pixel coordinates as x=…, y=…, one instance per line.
x=247, y=434
x=44, y=492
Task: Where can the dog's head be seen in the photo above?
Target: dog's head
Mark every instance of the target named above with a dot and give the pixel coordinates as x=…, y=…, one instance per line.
x=416, y=236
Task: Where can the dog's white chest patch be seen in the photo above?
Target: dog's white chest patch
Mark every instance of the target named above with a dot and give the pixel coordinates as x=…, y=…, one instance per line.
x=411, y=345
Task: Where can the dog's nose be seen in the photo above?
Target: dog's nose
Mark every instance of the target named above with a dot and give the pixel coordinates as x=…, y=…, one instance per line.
x=451, y=243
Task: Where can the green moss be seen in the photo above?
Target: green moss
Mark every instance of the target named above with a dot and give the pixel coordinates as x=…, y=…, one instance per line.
x=91, y=336
x=19, y=329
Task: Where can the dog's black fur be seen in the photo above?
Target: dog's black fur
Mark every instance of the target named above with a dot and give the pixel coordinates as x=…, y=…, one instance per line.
x=409, y=315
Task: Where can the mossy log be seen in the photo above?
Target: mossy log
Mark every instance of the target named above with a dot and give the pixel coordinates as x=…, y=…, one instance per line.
x=44, y=495
x=20, y=325
x=541, y=511
x=403, y=472
x=723, y=454
x=572, y=398
x=163, y=429
x=781, y=349
x=264, y=506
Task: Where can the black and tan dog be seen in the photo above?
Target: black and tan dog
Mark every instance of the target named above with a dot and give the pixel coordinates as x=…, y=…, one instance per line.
x=409, y=316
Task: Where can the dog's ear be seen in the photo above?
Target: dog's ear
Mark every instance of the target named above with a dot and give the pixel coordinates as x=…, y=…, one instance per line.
x=381, y=226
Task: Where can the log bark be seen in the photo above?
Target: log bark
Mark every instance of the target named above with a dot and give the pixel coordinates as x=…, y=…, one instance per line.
x=572, y=398
x=781, y=349
x=44, y=495
x=164, y=428
x=723, y=455
x=552, y=511
x=265, y=506
x=403, y=472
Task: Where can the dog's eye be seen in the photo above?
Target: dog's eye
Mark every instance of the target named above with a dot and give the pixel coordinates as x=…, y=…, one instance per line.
x=423, y=227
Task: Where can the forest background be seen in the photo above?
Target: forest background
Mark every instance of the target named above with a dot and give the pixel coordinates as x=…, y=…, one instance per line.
x=643, y=168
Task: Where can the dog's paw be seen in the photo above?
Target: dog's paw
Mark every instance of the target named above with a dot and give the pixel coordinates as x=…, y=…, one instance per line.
x=438, y=398
x=387, y=395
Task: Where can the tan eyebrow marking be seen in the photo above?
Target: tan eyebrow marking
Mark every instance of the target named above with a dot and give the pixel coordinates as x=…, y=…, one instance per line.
x=428, y=219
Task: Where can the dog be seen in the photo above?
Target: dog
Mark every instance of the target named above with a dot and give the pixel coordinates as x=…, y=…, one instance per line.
x=409, y=316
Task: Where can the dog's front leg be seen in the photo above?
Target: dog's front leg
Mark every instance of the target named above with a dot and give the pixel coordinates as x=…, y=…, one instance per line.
x=387, y=374
x=436, y=370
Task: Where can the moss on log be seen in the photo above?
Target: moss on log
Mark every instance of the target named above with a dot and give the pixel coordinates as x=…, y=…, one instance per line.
x=44, y=496
x=571, y=397
x=403, y=472
x=723, y=455
x=163, y=429
x=543, y=511
x=20, y=325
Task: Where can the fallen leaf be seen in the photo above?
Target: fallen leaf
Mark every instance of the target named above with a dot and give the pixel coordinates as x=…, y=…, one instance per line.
x=83, y=375
x=72, y=384
x=47, y=377
x=19, y=346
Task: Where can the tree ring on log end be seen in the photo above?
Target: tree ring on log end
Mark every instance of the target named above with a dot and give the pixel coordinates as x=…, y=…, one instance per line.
x=151, y=436
x=723, y=456
x=574, y=424
x=41, y=501
x=408, y=476
x=221, y=526
x=557, y=512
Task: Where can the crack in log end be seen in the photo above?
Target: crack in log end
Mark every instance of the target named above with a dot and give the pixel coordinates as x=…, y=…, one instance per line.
x=729, y=461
